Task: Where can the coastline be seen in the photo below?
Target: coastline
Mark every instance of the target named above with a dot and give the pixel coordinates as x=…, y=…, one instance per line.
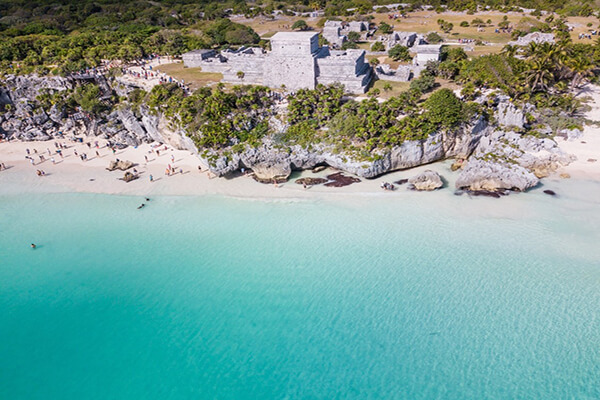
x=72, y=174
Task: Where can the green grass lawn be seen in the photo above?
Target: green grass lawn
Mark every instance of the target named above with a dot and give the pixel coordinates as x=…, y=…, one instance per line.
x=397, y=88
x=192, y=76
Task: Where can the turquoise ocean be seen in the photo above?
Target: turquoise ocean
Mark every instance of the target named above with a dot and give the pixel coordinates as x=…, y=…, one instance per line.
x=412, y=296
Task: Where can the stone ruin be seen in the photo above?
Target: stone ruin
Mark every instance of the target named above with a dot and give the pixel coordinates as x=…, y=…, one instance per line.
x=296, y=61
x=407, y=39
x=336, y=32
x=535, y=37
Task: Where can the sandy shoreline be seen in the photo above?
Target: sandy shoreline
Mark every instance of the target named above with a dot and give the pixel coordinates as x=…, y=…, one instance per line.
x=71, y=174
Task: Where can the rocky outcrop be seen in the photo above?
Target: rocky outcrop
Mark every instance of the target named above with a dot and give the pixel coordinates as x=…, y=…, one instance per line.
x=271, y=172
x=494, y=176
x=427, y=180
x=511, y=161
x=510, y=116
x=25, y=119
x=441, y=145
x=121, y=164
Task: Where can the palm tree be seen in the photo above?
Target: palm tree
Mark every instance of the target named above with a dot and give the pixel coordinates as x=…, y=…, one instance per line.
x=539, y=75
x=581, y=68
x=509, y=50
x=530, y=50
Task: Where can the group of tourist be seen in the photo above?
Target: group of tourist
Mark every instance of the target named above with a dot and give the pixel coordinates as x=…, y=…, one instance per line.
x=587, y=35
x=147, y=73
x=387, y=186
x=396, y=16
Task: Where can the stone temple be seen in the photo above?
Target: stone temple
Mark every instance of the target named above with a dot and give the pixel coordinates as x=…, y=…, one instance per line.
x=295, y=61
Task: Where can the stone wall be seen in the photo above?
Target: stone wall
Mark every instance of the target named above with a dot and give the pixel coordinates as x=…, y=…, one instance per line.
x=294, y=43
x=333, y=36
x=348, y=68
x=195, y=58
x=252, y=65
x=292, y=72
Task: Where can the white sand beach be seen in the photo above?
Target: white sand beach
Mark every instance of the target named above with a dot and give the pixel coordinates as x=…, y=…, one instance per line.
x=71, y=174
x=586, y=148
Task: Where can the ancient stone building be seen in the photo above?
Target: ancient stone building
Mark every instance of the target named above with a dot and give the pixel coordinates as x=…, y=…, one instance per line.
x=536, y=37
x=295, y=61
x=406, y=39
x=196, y=57
x=426, y=53
x=332, y=33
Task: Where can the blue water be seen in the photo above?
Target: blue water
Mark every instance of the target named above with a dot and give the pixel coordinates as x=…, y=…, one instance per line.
x=422, y=297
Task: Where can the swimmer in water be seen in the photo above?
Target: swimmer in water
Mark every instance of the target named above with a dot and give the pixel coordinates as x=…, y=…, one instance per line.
x=33, y=246
x=147, y=199
x=141, y=206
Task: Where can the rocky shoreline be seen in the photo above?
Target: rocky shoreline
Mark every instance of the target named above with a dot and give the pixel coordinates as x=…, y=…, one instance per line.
x=493, y=158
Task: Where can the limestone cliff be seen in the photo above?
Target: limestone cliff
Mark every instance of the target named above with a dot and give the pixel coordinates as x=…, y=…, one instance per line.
x=497, y=159
x=441, y=145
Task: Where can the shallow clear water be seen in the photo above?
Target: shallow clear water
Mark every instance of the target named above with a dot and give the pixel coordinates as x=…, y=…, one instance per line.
x=419, y=297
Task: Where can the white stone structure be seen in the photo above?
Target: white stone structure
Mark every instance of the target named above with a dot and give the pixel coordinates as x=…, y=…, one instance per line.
x=196, y=57
x=536, y=37
x=357, y=26
x=403, y=73
x=426, y=53
x=406, y=39
x=295, y=61
x=332, y=33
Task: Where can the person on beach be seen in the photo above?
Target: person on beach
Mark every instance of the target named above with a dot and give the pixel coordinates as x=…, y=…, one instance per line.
x=151, y=178
x=53, y=160
x=172, y=159
x=146, y=158
x=27, y=151
x=97, y=154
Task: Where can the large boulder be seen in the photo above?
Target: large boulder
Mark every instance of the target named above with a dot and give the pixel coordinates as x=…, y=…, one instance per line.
x=268, y=173
x=488, y=175
x=507, y=114
x=123, y=165
x=426, y=180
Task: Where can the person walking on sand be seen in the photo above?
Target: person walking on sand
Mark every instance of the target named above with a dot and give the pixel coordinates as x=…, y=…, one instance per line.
x=146, y=158
x=151, y=178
